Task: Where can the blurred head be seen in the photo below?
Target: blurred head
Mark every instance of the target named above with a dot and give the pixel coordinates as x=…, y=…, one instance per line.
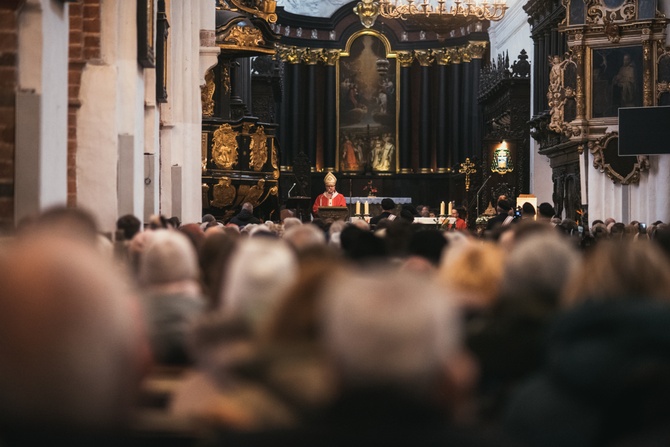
x=401, y=333
x=388, y=204
x=259, y=273
x=129, y=225
x=302, y=237
x=168, y=257
x=538, y=268
x=472, y=272
x=73, y=345
x=616, y=269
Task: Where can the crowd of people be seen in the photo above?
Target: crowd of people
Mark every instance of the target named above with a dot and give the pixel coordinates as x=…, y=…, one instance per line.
x=531, y=333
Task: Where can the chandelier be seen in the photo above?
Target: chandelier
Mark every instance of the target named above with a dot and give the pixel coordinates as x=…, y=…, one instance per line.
x=432, y=12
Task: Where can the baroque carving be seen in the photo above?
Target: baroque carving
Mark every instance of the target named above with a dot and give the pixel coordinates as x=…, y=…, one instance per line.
x=330, y=57
x=274, y=160
x=476, y=49
x=425, y=57
x=405, y=58
x=624, y=170
x=207, y=94
x=265, y=9
x=561, y=95
x=311, y=57
x=203, y=150
x=599, y=13
x=255, y=193
x=258, y=149
x=245, y=37
x=224, y=147
x=663, y=78
x=224, y=193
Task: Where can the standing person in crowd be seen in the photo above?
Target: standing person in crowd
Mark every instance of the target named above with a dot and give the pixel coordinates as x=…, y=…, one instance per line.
x=388, y=205
x=245, y=216
x=503, y=217
x=330, y=197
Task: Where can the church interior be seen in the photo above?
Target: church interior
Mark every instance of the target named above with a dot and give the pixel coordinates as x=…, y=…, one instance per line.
x=229, y=102
x=334, y=223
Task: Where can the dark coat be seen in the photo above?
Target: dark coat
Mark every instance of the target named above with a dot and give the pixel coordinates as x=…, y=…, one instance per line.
x=244, y=218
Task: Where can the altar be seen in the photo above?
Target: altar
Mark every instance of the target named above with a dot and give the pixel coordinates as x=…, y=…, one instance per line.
x=375, y=204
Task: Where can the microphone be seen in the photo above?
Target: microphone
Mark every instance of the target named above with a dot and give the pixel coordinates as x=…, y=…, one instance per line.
x=291, y=189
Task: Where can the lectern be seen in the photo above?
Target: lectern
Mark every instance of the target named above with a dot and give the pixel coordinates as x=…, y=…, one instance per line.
x=334, y=212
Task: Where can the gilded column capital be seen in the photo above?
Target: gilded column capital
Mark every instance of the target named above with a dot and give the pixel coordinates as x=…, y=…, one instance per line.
x=425, y=57
x=405, y=58
x=292, y=55
x=442, y=56
x=476, y=49
x=311, y=57
x=455, y=55
x=330, y=57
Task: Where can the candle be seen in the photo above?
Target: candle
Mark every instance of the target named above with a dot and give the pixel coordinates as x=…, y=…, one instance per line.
x=358, y=207
x=442, y=208
x=450, y=208
x=367, y=208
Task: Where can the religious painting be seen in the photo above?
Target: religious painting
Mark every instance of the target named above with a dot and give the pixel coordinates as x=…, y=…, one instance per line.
x=367, y=106
x=616, y=80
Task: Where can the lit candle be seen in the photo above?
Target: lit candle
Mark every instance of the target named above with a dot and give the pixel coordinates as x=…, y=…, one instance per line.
x=367, y=208
x=442, y=208
x=450, y=208
x=358, y=207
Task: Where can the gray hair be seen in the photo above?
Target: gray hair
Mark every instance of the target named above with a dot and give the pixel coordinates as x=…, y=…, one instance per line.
x=539, y=267
x=401, y=332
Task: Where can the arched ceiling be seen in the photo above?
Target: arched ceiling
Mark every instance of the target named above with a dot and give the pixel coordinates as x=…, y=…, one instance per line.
x=312, y=8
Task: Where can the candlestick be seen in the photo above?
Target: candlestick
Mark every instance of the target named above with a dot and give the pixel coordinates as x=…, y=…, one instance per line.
x=367, y=208
x=442, y=208
x=358, y=207
x=450, y=208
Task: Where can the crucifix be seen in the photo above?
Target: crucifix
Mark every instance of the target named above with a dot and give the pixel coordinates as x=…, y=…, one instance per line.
x=467, y=168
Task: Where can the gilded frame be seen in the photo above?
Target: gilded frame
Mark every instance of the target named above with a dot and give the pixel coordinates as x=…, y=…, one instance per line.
x=607, y=160
x=616, y=79
x=384, y=132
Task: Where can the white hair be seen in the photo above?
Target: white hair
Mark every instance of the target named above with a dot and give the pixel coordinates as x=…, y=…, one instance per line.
x=261, y=272
x=168, y=257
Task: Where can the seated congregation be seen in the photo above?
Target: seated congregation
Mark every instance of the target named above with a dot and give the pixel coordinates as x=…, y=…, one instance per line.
x=333, y=333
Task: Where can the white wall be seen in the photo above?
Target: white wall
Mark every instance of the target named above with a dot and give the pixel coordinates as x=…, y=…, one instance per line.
x=181, y=117
x=42, y=107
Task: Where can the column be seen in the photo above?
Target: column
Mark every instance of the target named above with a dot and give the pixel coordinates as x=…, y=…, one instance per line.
x=443, y=97
x=537, y=84
x=405, y=60
x=293, y=110
x=454, y=129
x=330, y=58
x=285, y=128
x=310, y=58
x=40, y=170
x=467, y=110
x=476, y=52
x=425, y=59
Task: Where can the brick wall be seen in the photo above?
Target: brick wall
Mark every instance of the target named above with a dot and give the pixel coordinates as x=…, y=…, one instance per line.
x=84, y=46
x=8, y=83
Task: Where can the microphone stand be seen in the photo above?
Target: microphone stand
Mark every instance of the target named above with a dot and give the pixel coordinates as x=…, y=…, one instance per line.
x=480, y=190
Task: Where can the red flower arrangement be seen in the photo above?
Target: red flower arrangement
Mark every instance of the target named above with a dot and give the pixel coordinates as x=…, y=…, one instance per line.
x=371, y=189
